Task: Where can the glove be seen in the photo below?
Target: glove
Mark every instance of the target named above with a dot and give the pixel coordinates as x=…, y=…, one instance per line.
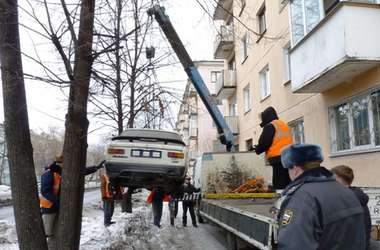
x=252, y=148
x=101, y=165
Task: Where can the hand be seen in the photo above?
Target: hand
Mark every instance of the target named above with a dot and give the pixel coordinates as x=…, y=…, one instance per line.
x=252, y=148
x=101, y=165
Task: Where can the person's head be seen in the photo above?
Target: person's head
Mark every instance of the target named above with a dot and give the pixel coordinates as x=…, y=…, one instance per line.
x=58, y=159
x=268, y=115
x=298, y=158
x=343, y=174
x=187, y=179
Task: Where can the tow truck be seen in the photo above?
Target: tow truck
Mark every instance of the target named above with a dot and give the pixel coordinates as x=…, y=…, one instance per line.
x=243, y=219
x=247, y=218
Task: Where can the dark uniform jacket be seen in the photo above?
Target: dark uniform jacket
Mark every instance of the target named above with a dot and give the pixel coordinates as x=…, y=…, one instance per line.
x=319, y=213
x=266, y=137
x=363, y=199
x=47, y=183
x=189, y=189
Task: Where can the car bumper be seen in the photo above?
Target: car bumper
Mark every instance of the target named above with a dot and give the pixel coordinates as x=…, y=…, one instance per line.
x=144, y=175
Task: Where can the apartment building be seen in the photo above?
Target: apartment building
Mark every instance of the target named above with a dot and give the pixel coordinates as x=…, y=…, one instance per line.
x=194, y=122
x=317, y=63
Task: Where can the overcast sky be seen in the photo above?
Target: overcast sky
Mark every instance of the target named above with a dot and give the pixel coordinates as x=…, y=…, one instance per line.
x=47, y=105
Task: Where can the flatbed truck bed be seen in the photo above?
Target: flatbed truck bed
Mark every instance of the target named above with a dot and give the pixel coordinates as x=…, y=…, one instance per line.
x=248, y=219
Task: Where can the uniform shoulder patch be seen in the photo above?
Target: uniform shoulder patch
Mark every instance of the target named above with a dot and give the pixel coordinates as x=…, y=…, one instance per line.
x=286, y=217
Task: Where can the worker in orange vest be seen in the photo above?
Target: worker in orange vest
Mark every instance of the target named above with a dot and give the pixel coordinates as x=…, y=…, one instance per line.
x=109, y=195
x=276, y=135
x=157, y=197
x=51, y=190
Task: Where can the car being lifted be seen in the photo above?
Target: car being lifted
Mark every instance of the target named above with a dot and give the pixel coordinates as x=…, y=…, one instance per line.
x=146, y=158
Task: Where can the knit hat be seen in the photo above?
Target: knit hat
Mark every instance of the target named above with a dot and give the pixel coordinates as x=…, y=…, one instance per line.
x=299, y=154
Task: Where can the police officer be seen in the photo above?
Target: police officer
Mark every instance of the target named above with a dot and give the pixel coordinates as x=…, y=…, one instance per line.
x=317, y=212
x=276, y=135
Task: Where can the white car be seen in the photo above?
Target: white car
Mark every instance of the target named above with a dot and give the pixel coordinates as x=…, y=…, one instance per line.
x=145, y=158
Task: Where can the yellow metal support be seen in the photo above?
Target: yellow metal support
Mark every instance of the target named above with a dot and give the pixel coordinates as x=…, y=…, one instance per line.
x=222, y=196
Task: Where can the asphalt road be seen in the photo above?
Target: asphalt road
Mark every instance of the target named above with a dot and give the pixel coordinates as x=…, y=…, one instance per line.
x=6, y=213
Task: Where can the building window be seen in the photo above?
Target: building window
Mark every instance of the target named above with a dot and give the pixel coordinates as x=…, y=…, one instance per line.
x=244, y=47
x=193, y=122
x=262, y=20
x=242, y=6
x=233, y=107
x=297, y=131
x=247, y=98
x=264, y=83
x=283, y=3
x=305, y=15
x=286, y=58
x=356, y=123
x=248, y=144
x=215, y=75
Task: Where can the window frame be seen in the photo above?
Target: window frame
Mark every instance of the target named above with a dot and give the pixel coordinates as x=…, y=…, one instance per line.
x=244, y=48
x=304, y=18
x=293, y=124
x=215, y=74
x=262, y=20
x=286, y=62
x=242, y=7
x=247, y=99
x=248, y=144
x=264, y=74
x=333, y=126
x=232, y=107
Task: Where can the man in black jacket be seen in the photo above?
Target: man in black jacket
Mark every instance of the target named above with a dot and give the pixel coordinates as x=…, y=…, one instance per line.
x=316, y=211
x=188, y=190
x=345, y=176
x=276, y=135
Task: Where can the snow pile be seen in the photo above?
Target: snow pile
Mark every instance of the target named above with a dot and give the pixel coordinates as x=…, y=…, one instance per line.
x=132, y=231
x=8, y=238
x=5, y=192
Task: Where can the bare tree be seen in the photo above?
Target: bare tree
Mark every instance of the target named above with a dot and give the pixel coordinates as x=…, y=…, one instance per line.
x=29, y=227
x=125, y=89
x=75, y=144
x=46, y=145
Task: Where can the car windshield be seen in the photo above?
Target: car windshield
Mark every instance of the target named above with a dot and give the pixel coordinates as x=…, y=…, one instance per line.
x=150, y=135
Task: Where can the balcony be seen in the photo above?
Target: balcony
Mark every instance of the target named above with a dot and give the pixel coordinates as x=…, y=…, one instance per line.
x=224, y=42
x=220, y=13
x=226, y=84
x=340, y=47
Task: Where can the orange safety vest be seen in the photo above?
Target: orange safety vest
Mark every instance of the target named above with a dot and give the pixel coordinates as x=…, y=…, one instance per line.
x=45, y=203
x=282, y=138
x=149, y=199
x=106, y=192
x=105, y=188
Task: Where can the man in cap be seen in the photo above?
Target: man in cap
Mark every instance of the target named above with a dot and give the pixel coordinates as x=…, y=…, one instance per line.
x=51, y=190
x=317, y=212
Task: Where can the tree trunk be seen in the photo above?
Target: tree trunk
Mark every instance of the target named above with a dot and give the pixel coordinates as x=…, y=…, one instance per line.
x=75, y=146
x=29, y=227
x=120, y=115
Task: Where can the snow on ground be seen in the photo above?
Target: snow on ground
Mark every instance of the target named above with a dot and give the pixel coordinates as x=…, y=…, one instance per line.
x=5, y=192
x=133, y=231
x=136, y=231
